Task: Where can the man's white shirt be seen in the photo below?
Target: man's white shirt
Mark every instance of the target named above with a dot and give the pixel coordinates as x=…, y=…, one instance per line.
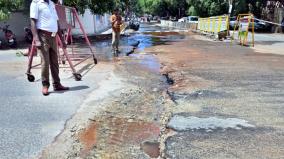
x=45, y=14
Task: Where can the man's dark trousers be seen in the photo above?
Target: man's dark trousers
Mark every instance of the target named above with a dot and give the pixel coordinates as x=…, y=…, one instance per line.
x=49, y=58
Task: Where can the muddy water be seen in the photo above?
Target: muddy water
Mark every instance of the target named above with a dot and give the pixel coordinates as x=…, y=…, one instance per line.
x=147, y=36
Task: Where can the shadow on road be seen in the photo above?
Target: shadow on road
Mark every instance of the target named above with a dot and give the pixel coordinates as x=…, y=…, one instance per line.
x=76, y=88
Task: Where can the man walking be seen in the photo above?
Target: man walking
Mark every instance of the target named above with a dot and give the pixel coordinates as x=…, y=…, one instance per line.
x=116, y=22
x=44, y=25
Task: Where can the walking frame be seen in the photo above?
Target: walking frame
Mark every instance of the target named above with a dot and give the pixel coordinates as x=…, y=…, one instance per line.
x=67, y=17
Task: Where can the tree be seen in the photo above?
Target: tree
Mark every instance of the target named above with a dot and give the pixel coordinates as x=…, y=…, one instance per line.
x=8, y=6
x=239, y=7
x=101, y=7
x=80, y=5
x=178, y=8
x=175, y=8
x=205, y=8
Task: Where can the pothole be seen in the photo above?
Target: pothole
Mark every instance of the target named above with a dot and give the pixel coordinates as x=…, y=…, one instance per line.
x=170, y=81
x=181, y=123
x=210, y=94
x=202, y=94
x=151, y=148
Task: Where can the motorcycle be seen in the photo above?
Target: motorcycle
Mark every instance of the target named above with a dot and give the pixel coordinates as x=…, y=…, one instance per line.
x=28, y=35
x=134, y=25
x=29, y=39
x=9, y=36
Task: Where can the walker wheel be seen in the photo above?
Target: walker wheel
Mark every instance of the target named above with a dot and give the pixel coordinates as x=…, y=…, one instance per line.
x=63, y=62
x=77, y=76
x=31, y=78
x=95, y=61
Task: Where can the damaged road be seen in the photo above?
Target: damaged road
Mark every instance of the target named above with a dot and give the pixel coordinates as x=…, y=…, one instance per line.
x=178, y=97
x=121, y=119
x=229, y=100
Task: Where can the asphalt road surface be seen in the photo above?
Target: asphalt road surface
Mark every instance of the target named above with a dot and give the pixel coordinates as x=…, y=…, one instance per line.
x=28, y=120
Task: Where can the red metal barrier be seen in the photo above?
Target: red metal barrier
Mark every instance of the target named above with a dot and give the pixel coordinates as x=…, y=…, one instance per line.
x=67, y=18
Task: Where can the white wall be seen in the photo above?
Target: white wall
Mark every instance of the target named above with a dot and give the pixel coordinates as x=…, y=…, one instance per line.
x=17, y=23
x=93, y=24
x=101, y=22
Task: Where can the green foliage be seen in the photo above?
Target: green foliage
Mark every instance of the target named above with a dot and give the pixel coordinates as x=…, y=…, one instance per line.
x=164, y=7
x=177, y=8
x=205, y=8
x=99, y=7
x=102, y=6
x=80, y=5
x=192, y=11
x=240, y=7
x=256, y=6
x=8, y=6
x=202, y=8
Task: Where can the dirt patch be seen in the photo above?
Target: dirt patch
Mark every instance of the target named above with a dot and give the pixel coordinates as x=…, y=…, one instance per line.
x=131, y=117
x=131, y=131
x=116, y=132
x=89, y=138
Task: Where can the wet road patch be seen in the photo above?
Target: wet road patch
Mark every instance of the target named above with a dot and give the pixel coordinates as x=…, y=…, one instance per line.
x=181, y=123
x=201, y=94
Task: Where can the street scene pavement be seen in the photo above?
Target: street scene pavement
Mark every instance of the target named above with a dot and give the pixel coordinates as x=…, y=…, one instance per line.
x=169, y=94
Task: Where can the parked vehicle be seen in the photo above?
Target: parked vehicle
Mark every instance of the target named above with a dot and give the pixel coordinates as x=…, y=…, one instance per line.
x=183, y=19
x=134, y=24
x=173, y=18
x=28, y=35
x=261, y=26
x=257, y=24
x=192, y=19
x=1, y=44
x=156, y=18
x=164, y=18
x=9, y=36
x=233, y=23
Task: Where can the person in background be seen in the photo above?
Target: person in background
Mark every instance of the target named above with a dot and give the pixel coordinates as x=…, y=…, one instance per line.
x=44, y=26
x=116, y=22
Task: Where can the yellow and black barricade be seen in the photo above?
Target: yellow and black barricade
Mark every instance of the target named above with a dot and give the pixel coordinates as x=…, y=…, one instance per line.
x=244, y=23
x=214, y=25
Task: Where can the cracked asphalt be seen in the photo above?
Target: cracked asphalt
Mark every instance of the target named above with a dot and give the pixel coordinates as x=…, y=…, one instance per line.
x=229, y=100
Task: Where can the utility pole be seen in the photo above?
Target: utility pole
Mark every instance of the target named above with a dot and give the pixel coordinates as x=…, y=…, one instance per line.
x=229, y=15
x=230, y=6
